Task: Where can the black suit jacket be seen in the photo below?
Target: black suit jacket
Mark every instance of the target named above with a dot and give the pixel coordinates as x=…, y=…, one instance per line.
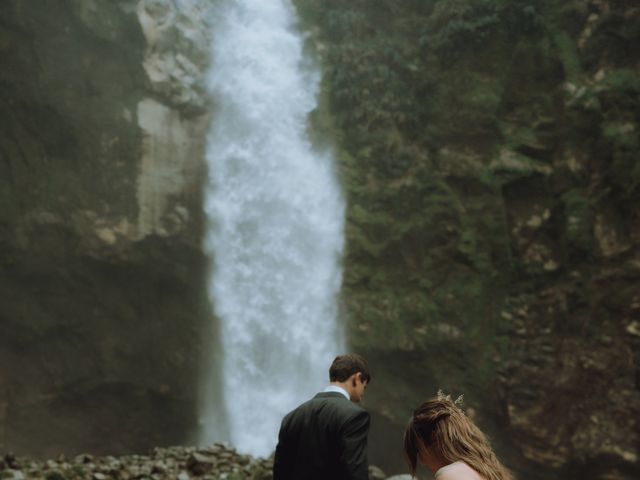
x=325, y=438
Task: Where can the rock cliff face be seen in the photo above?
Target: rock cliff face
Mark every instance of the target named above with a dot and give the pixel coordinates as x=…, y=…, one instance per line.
x=102, y=145
x=489, y=151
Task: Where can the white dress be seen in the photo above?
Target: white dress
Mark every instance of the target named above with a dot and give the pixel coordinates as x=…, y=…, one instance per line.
x=457, y=471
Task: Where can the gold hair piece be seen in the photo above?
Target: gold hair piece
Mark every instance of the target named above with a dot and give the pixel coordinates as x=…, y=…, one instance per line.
x=457, y=403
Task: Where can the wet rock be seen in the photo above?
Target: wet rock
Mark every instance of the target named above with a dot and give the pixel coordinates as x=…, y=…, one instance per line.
x=199, y=464
x=58, y=475
x=10, y=460
x=183, y=475
x=12, y=475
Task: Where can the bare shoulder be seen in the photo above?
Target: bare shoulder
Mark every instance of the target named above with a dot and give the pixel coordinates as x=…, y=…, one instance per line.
x=458, y=471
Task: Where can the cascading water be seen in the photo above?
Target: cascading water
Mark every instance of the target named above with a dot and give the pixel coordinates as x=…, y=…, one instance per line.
x=275, y=224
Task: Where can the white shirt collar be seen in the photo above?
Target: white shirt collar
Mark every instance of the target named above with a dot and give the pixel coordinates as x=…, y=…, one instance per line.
x=336, y=389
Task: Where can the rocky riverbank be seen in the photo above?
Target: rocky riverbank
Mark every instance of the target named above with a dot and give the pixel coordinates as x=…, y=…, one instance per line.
x=217, y=462
x=182, y=463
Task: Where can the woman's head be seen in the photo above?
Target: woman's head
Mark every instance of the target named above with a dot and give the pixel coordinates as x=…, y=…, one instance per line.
x=440, y=433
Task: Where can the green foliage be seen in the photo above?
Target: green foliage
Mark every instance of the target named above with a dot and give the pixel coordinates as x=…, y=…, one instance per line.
x=456, y=26
x=620, y=94
x=404, y=81
x=389, y=102
x=578, y=220
x=623, y=135
x=370, y=86
x=623, y=80
x=459, y=26
x=518, y=135
x=625, y=168
x=568, y=54
x=471, y=246
x=341, y=25
x=390, y=318
x=484, y=95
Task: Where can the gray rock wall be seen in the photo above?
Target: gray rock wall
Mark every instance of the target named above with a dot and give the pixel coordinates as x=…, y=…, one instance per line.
x=104, y=315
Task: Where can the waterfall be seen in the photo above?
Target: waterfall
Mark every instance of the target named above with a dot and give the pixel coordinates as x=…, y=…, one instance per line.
x=276, y=219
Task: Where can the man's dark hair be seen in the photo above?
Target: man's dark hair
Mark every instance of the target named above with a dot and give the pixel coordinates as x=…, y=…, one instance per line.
x=344, y=366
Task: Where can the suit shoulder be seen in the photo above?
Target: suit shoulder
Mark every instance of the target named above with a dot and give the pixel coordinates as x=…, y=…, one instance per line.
x=355, y=409
x=300, y=408
x=352, y=413
x=359, y=414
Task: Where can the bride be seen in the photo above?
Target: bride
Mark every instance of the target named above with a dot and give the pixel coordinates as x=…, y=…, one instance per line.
x=442, y=438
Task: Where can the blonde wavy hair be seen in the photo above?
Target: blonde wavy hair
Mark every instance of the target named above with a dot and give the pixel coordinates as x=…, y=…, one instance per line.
x=440, y=427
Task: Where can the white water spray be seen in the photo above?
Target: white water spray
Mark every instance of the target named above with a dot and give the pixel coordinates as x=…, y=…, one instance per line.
x=275, y=224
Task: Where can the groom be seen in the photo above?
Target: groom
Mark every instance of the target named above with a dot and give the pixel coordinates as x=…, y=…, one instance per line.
x=325, y=438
